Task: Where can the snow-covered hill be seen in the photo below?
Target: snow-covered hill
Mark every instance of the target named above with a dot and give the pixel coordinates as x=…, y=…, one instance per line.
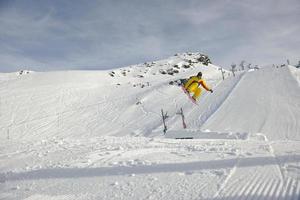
x=95, y=103
x=99, y=134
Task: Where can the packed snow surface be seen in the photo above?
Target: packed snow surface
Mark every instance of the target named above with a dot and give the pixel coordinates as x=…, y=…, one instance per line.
x=99, y=134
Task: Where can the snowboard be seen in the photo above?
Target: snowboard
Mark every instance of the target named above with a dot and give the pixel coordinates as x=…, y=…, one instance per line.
x=189, y=96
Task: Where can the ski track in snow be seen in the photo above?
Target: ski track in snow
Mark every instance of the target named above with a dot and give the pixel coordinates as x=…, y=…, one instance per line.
x=122, y=160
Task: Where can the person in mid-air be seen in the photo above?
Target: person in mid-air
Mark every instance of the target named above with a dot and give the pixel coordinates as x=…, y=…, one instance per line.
x=192, y=85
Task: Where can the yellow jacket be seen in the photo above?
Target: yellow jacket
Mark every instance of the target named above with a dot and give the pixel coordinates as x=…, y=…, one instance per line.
x=196, y=79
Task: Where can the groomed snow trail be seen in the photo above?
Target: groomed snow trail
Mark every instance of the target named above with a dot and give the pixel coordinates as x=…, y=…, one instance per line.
x=145, y=168
x=262, y=181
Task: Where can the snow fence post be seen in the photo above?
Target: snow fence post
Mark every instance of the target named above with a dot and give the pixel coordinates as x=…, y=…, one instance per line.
x=242, y=65
x=182, y=117
x=164, y=117
x=233, y=66
x=223, y=72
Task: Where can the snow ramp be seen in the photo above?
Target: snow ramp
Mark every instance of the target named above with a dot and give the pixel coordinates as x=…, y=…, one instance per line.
x=265, y=101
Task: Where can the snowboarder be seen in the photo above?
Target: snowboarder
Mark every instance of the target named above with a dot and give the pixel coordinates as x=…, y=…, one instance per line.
x=192, y=86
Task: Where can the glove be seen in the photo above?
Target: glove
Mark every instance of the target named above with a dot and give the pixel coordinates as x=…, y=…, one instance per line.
x=211, y=90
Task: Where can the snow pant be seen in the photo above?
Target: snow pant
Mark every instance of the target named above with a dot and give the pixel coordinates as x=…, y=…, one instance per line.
x=193, y=88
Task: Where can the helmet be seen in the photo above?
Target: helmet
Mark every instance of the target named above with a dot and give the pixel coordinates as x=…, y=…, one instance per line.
x=199, y=74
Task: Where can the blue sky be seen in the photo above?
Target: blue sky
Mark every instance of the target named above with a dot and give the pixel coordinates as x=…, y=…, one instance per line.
x=60, y=35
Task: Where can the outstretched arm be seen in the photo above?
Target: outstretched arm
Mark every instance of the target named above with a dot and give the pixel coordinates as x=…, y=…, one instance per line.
x=202, y=82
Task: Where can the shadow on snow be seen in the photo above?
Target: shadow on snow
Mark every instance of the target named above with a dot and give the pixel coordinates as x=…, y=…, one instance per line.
x=148, y=169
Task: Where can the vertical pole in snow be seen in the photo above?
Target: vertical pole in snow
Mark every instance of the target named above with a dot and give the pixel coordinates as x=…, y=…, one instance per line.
x=233, y=66
x=221, y=69
x=164, y=117
x=222, y=73
x=182, y=117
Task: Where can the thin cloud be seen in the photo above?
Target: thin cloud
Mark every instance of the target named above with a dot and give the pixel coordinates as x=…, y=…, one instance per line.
x=106, y=34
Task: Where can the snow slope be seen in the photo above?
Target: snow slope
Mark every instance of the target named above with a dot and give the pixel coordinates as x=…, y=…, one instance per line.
x=85, y=103
x=98, y=134
x=268, y=99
